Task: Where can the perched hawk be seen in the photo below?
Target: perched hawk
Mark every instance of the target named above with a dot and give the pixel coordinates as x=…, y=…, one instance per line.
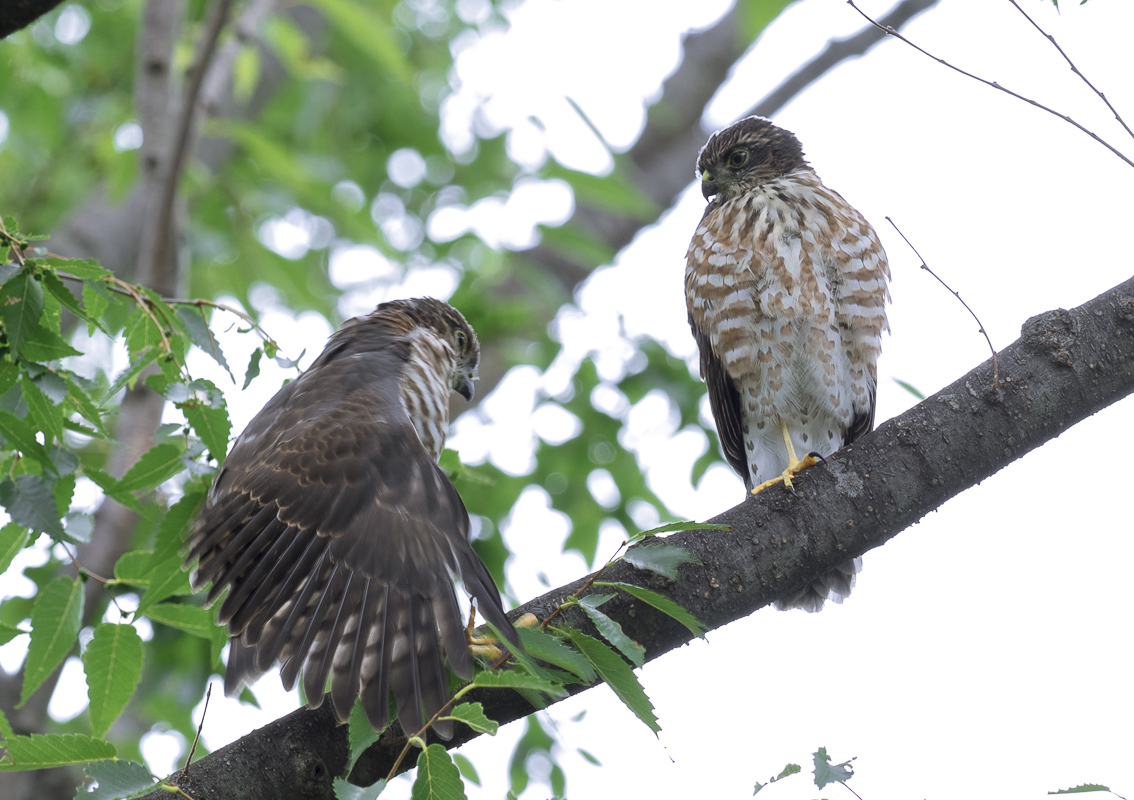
x=336, y=533
x=786, y=289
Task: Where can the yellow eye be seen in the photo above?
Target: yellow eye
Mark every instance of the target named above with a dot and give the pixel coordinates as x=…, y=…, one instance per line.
x=462, y=342
x=737, y=159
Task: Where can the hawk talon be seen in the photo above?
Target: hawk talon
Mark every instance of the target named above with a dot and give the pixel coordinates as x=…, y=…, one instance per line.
x=795, y=466
x=484, y=645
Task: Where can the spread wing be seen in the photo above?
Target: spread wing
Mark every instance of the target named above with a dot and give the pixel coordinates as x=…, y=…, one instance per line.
x=338, y=538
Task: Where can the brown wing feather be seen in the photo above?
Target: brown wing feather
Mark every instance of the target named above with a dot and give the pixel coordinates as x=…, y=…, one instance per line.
x=338, y=537
x=724, y=400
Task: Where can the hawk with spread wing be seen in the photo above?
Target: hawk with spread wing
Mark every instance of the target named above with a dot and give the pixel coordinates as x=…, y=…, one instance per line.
x=786, y=286
x=337, y=535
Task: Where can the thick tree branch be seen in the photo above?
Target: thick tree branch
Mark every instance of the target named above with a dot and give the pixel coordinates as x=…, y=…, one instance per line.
x=1066, y=366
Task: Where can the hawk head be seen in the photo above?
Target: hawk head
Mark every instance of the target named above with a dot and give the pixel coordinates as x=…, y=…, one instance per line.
x=744, y=155
x=448, y=325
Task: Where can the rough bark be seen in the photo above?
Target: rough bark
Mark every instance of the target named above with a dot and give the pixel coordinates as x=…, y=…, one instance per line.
x=1065, y=366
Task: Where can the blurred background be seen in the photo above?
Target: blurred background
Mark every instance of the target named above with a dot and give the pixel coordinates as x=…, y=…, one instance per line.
x=531, y=161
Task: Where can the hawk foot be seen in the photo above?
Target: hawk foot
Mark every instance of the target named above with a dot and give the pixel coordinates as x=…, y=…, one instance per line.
x=809, y=460
x=485, y=646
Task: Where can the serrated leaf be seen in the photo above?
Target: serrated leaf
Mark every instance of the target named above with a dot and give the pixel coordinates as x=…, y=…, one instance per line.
x=157, y=465
x=191, y=619
x=437, y=776
x=5, y=728
x=1085, y=787
x=618, y=675
x=52, y=283
x=40, y=751
x=542, y=645
x=21, y=437
x=611, y=630
x=41, y=411
x=208, y=414
x=112, y=488
x=678, y=526
x=78, y=400
x=167, y=546
x=96, y=302
x=472, y=714
x=790, y=769
x=253, y=367
x=360, y=734
x=129, y=376
x=116, y=779
x=13, y=537
x=826, y=772
x=664, y=559
x=29, y=501
x=21, y=303
x=193, y=318
x=142, y=333
x=43, y=344
x=9, y=374
x=345, y=790
x=113, y=664
x=55, y=619
x=86, y=268
x=515, y=680
x=663, y=604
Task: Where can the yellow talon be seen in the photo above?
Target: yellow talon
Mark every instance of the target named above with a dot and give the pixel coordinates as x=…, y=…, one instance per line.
x=485, y=646
x=795, y=466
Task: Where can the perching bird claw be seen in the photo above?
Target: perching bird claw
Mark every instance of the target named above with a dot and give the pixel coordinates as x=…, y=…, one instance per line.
x=795, y=466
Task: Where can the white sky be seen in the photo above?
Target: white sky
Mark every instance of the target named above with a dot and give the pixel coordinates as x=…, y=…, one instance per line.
x=985, y=652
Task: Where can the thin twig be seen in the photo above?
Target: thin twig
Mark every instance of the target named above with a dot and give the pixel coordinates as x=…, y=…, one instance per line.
x=852, y=791
x=995, y=85
x=980, y=325
x=1074, y=68
x=204, y=711
x=189, y=102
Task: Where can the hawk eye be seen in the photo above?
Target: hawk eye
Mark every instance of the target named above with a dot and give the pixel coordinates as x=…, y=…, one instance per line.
x=737, y=159
x=462, y=341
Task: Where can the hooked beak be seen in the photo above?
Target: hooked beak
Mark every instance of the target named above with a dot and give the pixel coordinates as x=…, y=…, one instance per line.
x=465, y=388
x=709, y=187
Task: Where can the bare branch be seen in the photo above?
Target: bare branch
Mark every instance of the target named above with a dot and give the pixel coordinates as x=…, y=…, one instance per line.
x=955, y=293
x=1066, y=366
x=995, y=85
x=1074, y=68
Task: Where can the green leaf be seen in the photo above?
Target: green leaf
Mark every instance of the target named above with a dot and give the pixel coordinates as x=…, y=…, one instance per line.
x=142, y=333
x=46, y=415
x=618, y=675
x=253, y=367
x=1086, y=787
x=9, y=374
x=542, y=645
x=472, y=714
x=826, y=772
x=437, y=776
x=197, y=326
x=79, y=400
x=678, y=526
x=664, y=559
x=40, y=751
x=909, y=387
x=96, y=302
x=588, y=756
x=160, y=463
x=345, y=790
x=42, y=344
x=191, y=619
x=468, y=771
x=370, y=33
x=29, y=501
x=117, y=779
x=21, y=303
x=8, y=633
x=509, y=679
x=21, y=437
x=611, y=630
x=112, y=488
x=360, y=734
x=790, y=769
x=165, y=564
x=663, y=604
x=113, y=663
x=52, y=283
x=55, y=619
x=86, y=268
x=13, y=537
x=208, y=414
